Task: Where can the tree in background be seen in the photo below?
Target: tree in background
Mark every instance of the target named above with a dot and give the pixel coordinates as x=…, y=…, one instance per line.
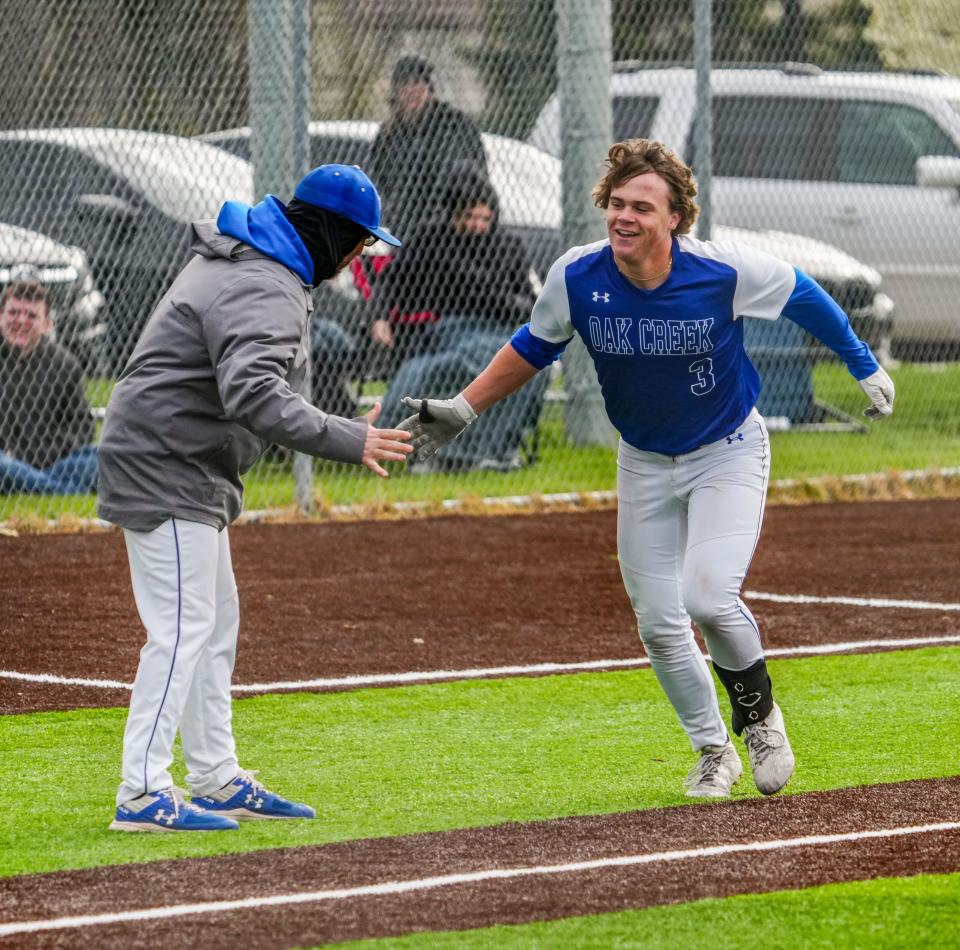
x=181, y=66
x=516, y=57
x=353, y=44
x=176, y=66
x=830, y=33
x=516, y=53
x=838, y=36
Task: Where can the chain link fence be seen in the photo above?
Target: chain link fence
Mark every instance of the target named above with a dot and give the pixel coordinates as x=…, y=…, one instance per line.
x=832, y=140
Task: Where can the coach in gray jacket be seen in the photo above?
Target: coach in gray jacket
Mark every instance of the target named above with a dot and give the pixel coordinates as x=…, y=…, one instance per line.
x=211, y=382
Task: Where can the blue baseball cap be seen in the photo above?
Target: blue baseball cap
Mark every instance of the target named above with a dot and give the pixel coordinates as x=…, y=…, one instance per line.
x=347, y=191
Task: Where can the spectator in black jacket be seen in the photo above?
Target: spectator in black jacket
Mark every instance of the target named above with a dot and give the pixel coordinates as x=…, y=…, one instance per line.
x=419, y=144
x=462, y=266
x=46, y=428
x=444, y=305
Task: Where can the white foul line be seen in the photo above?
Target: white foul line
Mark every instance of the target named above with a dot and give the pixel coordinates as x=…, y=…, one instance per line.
x=448, y=880
x=426, y=676
x=385, y=679
x=415, y=676
x=850, y=601
x=63, y=680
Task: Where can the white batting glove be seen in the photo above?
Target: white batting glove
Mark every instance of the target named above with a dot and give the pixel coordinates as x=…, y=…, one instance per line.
x=436, y=422
x=880, y=392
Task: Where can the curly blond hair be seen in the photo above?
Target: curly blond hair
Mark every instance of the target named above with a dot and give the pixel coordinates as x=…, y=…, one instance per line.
x=633, y=157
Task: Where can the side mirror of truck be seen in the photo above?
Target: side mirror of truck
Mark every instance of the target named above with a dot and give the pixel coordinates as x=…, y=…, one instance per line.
x=938, y=171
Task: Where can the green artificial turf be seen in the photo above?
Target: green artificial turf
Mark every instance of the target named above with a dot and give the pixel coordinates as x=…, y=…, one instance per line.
x=881, y=914
x=922, y=433
x=426, y=758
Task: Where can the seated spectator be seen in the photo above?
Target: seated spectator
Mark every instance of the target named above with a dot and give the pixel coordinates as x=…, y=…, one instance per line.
x=444, y=306
x=344, y=356
x=46, y=428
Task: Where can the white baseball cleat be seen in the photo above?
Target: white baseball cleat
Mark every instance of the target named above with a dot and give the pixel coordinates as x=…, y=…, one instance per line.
x=771, y=757
x=715, y=773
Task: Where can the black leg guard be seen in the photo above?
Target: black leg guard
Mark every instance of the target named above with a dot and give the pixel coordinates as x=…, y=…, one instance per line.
x=751, y=694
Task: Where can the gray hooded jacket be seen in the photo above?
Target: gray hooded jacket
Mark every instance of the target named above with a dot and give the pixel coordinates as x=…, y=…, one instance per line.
x=210, y=383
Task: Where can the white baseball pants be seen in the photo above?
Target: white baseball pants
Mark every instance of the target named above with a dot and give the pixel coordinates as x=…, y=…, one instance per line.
x=186, y=595
x=687, y=529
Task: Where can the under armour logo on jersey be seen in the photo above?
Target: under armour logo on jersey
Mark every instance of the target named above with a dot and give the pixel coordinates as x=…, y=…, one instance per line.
x=734, y=438
x=605, y=297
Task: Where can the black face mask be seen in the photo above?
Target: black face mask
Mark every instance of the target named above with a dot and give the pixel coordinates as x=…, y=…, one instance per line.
x=328, y=237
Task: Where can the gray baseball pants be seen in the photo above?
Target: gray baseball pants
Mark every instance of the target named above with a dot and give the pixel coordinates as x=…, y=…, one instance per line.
x=687, y=529
x=186, y=595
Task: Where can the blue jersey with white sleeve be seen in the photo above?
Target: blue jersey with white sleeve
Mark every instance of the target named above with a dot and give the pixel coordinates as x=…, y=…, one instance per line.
x=671, y=362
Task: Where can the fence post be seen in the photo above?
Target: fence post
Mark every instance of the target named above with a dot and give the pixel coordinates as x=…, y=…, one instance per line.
x=583, y=70
x=279, y=71
x=703, y=127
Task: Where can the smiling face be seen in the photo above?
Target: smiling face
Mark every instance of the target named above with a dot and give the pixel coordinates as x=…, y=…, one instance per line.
x=24, y=323
x=639, y=220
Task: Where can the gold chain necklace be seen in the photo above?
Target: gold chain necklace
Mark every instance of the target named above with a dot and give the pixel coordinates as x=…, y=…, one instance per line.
x=666, y=270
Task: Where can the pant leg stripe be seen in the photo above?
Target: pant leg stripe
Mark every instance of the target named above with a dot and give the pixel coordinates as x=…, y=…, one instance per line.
x=765, y=463
x=173, y=660
x=749, y=619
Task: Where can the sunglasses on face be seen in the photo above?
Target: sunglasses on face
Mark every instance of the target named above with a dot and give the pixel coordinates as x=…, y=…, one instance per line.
x=370, y=240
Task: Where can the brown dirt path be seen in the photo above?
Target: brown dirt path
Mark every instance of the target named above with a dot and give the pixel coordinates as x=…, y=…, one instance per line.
x=529, y=589
x=502, y=590
x=539, y=897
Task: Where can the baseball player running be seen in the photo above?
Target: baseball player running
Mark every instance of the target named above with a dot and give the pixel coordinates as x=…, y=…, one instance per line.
x=659, y=312
x=212, y=381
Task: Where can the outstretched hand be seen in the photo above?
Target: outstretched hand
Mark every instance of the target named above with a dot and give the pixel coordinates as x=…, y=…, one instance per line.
x=435, y=423
x=383, y=444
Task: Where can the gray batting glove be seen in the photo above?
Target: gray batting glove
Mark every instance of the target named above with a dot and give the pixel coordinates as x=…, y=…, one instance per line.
x=880, y=392
x=436, y=422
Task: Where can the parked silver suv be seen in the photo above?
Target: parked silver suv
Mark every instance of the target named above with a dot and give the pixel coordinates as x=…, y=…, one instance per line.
x=869, y=162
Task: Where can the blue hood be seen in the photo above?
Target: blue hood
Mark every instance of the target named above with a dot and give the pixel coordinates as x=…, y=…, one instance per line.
x=264, y=227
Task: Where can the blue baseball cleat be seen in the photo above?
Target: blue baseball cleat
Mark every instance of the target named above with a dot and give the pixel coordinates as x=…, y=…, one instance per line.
x=166, y=810
x=245, y=798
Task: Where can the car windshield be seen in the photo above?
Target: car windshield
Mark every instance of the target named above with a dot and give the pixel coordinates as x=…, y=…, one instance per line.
x=186, y=179
x=527, y=182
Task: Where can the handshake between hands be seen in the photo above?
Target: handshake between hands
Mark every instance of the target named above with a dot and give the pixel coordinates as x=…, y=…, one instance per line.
x=434, y=423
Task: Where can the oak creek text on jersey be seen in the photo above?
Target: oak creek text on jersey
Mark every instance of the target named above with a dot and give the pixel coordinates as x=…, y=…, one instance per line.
x=654, y=337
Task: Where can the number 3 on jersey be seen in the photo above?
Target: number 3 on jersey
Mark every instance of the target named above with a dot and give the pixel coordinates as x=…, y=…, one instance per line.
x=703, y=369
